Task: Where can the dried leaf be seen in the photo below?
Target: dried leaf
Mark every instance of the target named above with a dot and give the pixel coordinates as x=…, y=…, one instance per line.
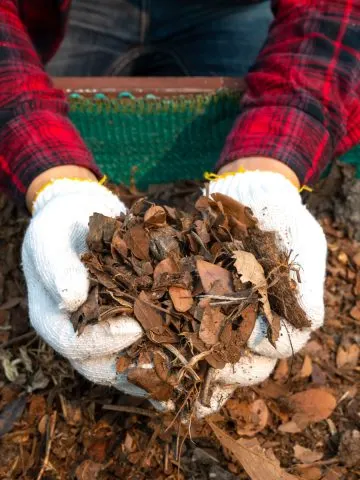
x=148, y=380
x=155, y=216
x=251, y=271
x=181, y=298
x=137, y=240
x=211, y=324
x=281, y=373
x=306, y=369
x=11, y=413
x=305, y=455
x=257, y=463
x=149, y=317
x=122, y=364
x=215, y=279
x=250, y=418
x=247, y=324
x=310, y=406
x=118, y=244
x=88, y=470
x=234, y=208
x=347, y=356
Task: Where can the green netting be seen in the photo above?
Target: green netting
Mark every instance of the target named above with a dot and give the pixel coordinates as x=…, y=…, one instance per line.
x=153, y=140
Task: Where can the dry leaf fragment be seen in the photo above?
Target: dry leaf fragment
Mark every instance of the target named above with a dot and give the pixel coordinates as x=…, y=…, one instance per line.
x=249, y=315
x=215, y=279
x=305, y=455
x=211, y=324
x=232, y=207
x=11, y=413
x=122, y=364
x=181, y=298
x=306, y=369
x=251, y=271
x=118, y=245
x=257, y=463
x=347, y=356
x=281, y=373
x=148, y=380
x=250, y=418
x=88, y=470
x=137, y=240
x=155, y=216
x=149, y=317
x=310, y=406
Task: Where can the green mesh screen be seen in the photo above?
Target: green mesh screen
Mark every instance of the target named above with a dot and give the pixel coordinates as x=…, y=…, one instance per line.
x=158, y=140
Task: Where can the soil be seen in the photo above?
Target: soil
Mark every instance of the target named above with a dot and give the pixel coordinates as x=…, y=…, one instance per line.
x=56, y=425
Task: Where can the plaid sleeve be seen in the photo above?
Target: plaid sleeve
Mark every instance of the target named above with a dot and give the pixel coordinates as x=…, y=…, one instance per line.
x=302, y=103
x=35, y=133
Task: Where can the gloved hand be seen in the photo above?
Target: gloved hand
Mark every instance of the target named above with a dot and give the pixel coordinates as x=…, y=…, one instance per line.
x=58, y=284
x=277, y=205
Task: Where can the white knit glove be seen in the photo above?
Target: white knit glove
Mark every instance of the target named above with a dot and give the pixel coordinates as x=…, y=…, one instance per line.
x=58, y=284
x=277, y=205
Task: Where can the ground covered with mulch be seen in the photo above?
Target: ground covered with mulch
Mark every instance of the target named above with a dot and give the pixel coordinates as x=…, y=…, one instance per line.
x=302, y=423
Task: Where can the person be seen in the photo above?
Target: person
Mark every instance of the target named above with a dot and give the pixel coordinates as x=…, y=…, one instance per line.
x=301, y=110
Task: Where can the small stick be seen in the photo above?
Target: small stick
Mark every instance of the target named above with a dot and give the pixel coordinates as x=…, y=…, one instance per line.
x=205, y=396
x=20, y=338
x=193, y=362
x=187, y=365
x=135, y=410
x=50, y=435
x=154, y=436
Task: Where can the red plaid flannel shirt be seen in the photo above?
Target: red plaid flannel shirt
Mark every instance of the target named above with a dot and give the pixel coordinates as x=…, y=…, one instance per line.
x=302, y=104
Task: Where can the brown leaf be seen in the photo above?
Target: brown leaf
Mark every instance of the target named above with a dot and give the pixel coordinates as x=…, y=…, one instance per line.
x=236, y=209
x=147, y=315
x=310, y=406
x=281, y=373
x=11, y=413
x=211, y=324
x=155, y=216
x=137, y=240
x=148, y=380
x=306, y=369
x=250, y=418
x=88, y=470
x=167, y=265
x=88, y=312
x=181, y=298
x=347, y=356
x=122, y=364
x=215, y=279
x=257, y=463
x=251, y=271
x=247, y=324
x=305, y=455
x=355, y=312
x=118, y=244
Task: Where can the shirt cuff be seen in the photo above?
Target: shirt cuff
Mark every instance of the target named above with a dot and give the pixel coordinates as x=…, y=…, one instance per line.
x=282, y=133
x=35, y=142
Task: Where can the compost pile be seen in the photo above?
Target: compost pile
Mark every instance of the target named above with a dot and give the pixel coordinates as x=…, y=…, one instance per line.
x=195, y=282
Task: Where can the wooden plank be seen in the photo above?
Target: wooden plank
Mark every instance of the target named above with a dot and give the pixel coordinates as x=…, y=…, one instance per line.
x=139, y=86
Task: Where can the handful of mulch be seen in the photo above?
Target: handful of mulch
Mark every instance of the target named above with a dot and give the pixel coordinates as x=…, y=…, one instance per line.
x=195, y=282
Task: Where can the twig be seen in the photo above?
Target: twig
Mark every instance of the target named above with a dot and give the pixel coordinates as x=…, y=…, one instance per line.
x=20, y=338
x=196, y=359
x=205, y=395
x=50, y=435
x=154, y=436
x=187, y=365
x=135, y=410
